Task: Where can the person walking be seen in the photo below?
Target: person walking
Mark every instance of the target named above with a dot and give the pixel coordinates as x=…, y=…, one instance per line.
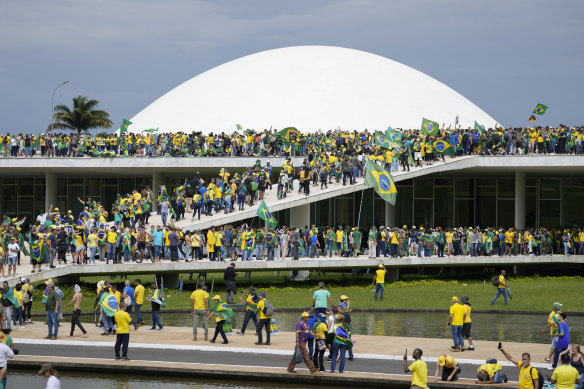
x=200, y=309
x=251, y=304
x=450, y=368
x=139, y=300
x=219, y=319
x=319, y=299
x=156, y=303
x=53, y=302
x=553, y=323
x=455, y=321
x=266, y=311
x=528, y=376
x=76, y=302
x=123, y=321
x=563, y=338
x=501, y=287
x=302, y=331
x=319, y=331
x=418, y=368
x=379, y=282
x=467, y=322
x=230, y=286
x=341, y=342
x=128, y=297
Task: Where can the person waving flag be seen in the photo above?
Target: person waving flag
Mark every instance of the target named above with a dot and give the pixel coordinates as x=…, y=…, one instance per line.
x=381, y=181
x=265, y=214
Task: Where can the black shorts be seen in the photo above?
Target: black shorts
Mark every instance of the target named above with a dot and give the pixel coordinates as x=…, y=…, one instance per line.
x=466, y=330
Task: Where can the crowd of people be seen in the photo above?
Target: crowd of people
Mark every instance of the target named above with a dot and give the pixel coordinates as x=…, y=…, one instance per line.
x=522, y=140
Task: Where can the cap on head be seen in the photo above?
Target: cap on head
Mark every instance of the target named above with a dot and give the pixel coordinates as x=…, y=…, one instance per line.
x=557, y=305
x=381, y=266
x=441, y=360
x=305, y=314
x=454, y=298
x=263, y=294
x=344, y=297
x=216, y=297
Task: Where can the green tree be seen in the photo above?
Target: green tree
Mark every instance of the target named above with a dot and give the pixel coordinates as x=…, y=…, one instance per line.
x=82, y=118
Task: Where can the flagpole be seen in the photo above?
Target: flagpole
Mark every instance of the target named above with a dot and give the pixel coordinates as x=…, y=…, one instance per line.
x=360, y=205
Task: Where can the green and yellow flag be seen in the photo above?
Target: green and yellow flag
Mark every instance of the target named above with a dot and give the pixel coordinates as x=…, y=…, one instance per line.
x=238, y=126
x=220, y=309
x=540, y=109
x=429, y=127
x=479, y=128
x=289, y=134
x=393, y=135
x=109, y=304
x=381, y=181
x=443, y=147
x=37, y=251
x=265, y=214
x=381, y=140
x=124, y=126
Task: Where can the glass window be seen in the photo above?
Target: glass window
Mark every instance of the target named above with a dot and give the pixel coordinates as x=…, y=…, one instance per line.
x=464, y=188
x=127, y=185
x=61, y=187
x=9, y=200
x=423, y=212
x=39, y=181
x=9, y=181
x=573, y=212
x=344, y=210
x=404, y=205
x=531, y=181
x=486, y=205
x=486, y=181
x=110, y=181
x=464, y=213
x=444, y=206
x=378, y=212
x=92, y=187
x=423, y=188
x=25, y=187
x=549, y=213
x=443, y=182
x=366, y=208
x=573, y=181
x=530, y=207
x=506, y=188
x=549, y=188
x=506, y=213
x=39, y=192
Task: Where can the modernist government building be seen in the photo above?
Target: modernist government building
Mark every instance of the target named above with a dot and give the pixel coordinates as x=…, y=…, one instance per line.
x=312, y=88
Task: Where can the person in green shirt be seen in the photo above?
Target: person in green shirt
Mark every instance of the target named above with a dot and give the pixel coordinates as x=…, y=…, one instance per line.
x=53, y=302
x=356, y=235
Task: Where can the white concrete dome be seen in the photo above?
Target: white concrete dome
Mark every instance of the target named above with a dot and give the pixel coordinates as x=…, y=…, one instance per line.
x=310, y=88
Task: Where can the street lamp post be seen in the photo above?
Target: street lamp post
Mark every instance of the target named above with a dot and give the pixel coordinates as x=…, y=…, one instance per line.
x=52, y=104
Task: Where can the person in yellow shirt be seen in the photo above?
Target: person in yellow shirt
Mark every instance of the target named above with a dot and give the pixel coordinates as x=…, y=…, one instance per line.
x=455, y=321
x=138, y=300
x=379, y=282
x=467, y=322
x=490, y=372
x=509, y=235
x=265, y=320
x=528, y=376
x=123, y=321
x=112, y=239
x=418, y=368
x=450, y=368
x=565, y=376
x=501, y=288
x=211, y=243
x=553, y=323
x=200, y=309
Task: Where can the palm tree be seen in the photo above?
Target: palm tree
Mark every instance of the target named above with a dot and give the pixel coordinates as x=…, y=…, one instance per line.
x=82, y=117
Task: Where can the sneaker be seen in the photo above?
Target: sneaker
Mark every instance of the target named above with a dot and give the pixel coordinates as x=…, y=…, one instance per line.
x=118, y=358
x=239, y=333
x=227, y=342
x=267, y=344
x=351, y=359
x=212, y=341
x=160, y=329
x=471, y=348
x=125, y=358
x=53, y=338
x=258, y=343
x=104, y=334
x=47, y=337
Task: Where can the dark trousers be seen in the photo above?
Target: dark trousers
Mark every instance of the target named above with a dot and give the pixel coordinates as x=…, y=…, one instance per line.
x=318, y=357
x=62, y=255
x=263, y=323
x=219, y=330
x=249, y=315
x=446, y=371
x=27, y=308
x=122, y=340
x=174, y=253
x=75, y=321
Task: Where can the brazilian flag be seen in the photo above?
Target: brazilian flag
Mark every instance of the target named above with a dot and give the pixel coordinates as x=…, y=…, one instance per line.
x=443, y=147
x=540, y=109
x=265, y=214
x=393, y=135
x=381, y=140
x=238, y=126
x=429, y=127
x=289, y=134
x=37, y=252
x=101, y=235
x=220, y=309
x=381, y=181
x=124, y=126
x=109, y=303
x=479, y=128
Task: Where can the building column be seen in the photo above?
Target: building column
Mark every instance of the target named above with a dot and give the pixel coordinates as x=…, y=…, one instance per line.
x=50, y=190
x=300, y=216
x=157, y=179
x=520, y=200
x=390, y=215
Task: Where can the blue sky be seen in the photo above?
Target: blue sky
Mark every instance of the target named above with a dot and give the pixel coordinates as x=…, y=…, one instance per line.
x=505, y=56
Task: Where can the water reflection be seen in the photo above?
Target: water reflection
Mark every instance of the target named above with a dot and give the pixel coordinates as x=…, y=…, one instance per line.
x=486, y=326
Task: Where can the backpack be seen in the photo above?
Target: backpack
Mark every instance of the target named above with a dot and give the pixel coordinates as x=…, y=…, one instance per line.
x=268, y=308
x=495, y=281
x=539, y=379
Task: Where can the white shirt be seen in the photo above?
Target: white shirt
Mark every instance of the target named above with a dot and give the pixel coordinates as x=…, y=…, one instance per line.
x=5, y=352
x=332, y=320
x=53, y=383
x=13, y=246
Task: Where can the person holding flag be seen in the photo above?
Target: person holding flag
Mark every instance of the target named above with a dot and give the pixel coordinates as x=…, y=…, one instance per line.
x=381, y=181
x=222, y=314
x=109, y=307
x=157, y=301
